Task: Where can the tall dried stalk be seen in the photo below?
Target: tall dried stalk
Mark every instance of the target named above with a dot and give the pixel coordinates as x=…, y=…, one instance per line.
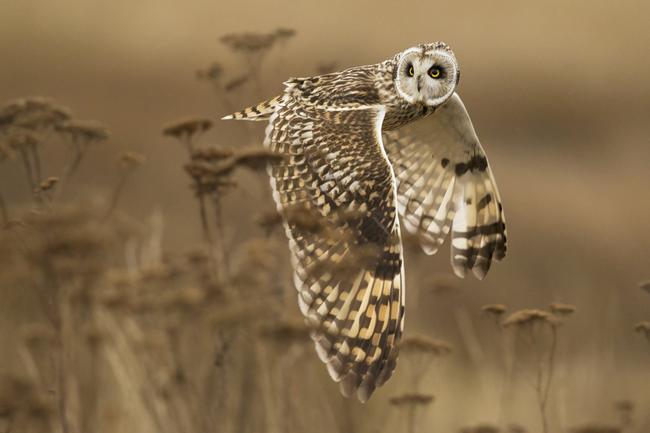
x=4, y=213
x=529, y=326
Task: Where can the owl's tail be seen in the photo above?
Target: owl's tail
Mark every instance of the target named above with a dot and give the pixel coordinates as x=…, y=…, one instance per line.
x=261, y=111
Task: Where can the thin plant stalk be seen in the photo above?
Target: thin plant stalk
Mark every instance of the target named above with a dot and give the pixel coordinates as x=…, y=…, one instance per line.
x=4, y=213
x=543, y=398
x=33, y=149
x=29, y=171
x=115, y=197
x=71, y=168
x=223, y=255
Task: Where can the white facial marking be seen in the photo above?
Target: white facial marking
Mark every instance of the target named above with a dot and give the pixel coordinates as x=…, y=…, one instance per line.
x=426, y=77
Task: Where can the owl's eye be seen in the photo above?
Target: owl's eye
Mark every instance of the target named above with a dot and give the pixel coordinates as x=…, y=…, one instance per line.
x=435, y=72
x=410, y=71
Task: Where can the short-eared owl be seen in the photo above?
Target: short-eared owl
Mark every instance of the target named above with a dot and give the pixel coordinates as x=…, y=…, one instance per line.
x=347, y=173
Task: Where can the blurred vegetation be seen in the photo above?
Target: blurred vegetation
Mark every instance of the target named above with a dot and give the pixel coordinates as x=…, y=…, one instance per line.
x=124, y=334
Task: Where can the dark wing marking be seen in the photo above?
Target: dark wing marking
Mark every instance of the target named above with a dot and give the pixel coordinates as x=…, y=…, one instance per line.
x=336, y=192
x=445, y=182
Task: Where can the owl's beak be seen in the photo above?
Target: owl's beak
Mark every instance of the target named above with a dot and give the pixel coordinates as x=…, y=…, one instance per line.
x=419, y=83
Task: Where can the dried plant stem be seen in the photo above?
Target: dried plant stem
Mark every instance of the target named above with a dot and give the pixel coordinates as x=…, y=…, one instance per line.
x=207, y=231
x=33, y=149
x=543, y=395
x=223, y=255
x=267, y=388
x=247, y=391
x=509, y=358
x=4, y=213
x=410, y=418
x=62, y=372
x=71, y=168
x=117, y=192
x=29, y=171
x=542, y=379
x=127, y=369
x=187, y=140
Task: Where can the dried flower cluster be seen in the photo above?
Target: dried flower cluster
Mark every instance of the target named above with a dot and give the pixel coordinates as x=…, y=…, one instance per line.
x=425, y=345
x=530, y=317
x=643, y=328
x=132, y=336
x=256, y=42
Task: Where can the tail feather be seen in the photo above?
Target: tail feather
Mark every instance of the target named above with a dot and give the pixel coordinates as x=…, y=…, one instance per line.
x=261, y=111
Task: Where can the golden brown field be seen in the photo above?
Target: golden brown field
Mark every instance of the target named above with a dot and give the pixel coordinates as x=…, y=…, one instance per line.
x=145, y=284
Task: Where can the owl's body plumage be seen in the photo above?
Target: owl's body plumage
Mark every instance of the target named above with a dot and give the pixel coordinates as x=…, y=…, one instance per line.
x=348, y=173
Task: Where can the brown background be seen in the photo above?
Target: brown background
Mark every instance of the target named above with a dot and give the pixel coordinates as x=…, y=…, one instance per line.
x=558, y=91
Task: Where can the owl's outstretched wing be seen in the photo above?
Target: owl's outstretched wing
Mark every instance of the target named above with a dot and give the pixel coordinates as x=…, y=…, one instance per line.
x=445, y=182
x=336, y=192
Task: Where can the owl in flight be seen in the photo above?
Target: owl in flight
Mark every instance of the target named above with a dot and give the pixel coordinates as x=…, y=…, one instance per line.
x=346, y=174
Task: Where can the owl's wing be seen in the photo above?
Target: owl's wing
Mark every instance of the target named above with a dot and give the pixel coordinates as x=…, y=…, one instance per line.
x=445, y=182
x=336, y=192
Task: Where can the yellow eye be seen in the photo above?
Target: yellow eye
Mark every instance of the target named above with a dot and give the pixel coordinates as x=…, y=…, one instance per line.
x=411, y=71
x=434, y=72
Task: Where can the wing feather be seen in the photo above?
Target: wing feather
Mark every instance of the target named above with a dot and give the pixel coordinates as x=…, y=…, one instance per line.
x=445, y=183
x=336, y=192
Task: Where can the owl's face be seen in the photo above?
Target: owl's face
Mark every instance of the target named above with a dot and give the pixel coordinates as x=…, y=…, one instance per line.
x=427, y=74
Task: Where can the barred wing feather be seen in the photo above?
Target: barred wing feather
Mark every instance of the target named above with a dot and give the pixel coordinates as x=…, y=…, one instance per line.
x=444, y=183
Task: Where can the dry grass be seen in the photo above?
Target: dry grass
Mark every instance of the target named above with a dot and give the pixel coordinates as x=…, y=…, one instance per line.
x=125, y=334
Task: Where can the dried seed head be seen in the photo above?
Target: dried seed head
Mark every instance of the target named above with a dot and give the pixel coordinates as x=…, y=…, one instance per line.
x=529, y=317
x=283, y=34
x=42, y=118
x=48, y=183
x=32, y=113
x=424, y=344
x=70, y=241
x=643, y=328
x=83, y=130
x=412, y=399
x=255, y=158
x=186, y=128
x=495, y=310
x=211, y=168
x=249, y=42
x=562, y=309
x=211, y=73
x=129, y=159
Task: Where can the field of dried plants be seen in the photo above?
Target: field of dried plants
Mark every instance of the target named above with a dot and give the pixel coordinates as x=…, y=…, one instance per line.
x=105, y=327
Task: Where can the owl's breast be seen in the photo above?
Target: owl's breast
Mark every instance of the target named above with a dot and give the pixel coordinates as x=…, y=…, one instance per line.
x=402, y=113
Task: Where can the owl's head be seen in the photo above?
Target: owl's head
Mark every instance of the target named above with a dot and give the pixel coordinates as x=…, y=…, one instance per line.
x=427, y=74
